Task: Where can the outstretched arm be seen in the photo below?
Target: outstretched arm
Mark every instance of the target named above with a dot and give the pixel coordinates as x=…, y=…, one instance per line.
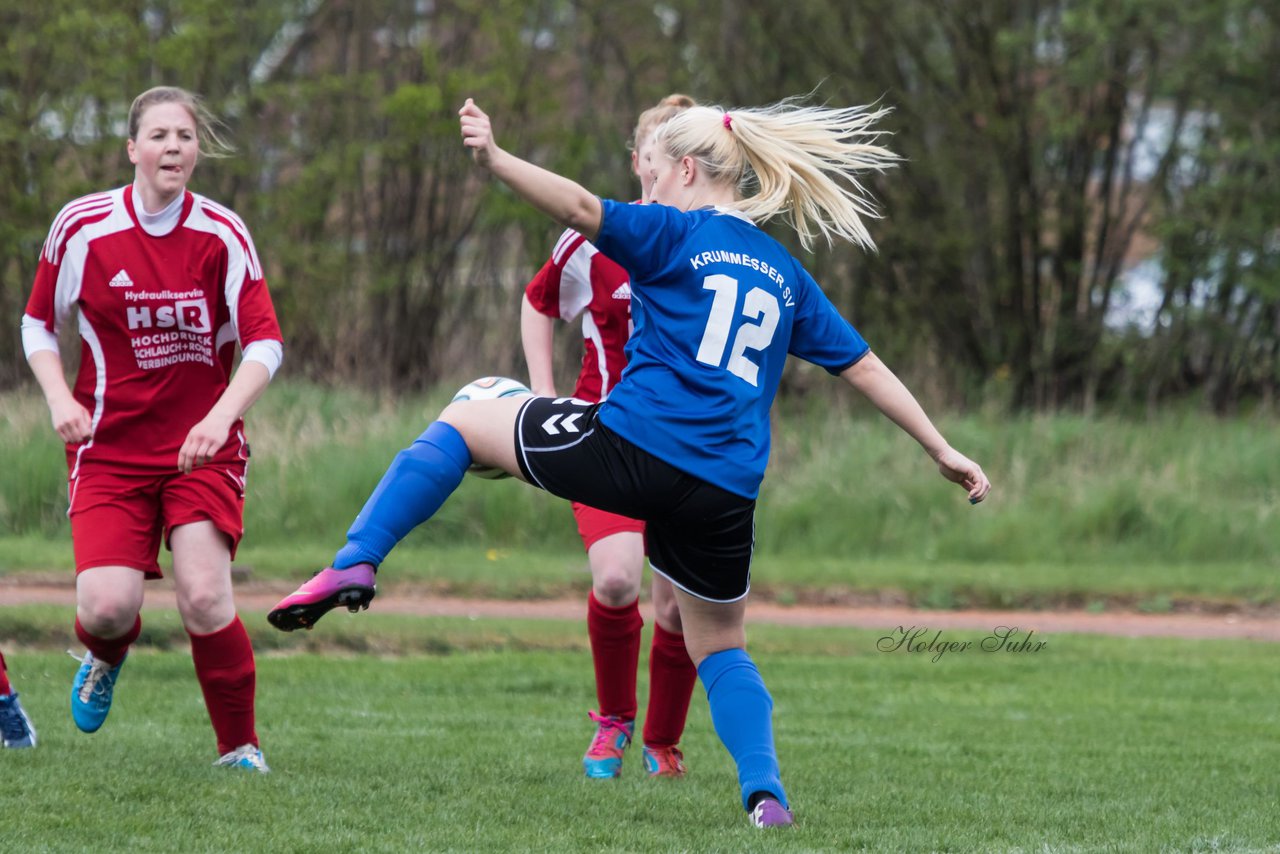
x=882, y=387
x=565, y=201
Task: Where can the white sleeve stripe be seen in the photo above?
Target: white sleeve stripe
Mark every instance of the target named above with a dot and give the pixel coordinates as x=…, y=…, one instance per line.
x=565, y=235
x=251, y=251
x=227, y=219
x=78, y=204
x=78, y=208
x=566, y=244
x=57, y=236
x=266, y=352
x=237, y=225
x=36, y=336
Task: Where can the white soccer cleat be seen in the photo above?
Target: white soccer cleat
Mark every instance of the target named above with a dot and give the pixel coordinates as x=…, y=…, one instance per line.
x=247, y=757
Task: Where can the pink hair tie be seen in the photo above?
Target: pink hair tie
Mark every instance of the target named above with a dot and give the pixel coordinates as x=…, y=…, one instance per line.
x=728, y=122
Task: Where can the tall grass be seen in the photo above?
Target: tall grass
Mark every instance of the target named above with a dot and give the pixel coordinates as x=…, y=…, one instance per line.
x=1182, y=488
x=843, y=483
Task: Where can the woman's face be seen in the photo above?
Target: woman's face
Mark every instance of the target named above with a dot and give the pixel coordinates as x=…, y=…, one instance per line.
x=164, y=153
x=662, y=178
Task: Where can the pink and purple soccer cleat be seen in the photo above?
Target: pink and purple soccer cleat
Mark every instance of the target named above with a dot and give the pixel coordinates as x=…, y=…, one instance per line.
x=329, y=588
x=771, y=813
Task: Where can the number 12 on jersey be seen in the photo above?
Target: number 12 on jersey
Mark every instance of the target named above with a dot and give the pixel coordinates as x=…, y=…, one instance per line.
x=759, y=306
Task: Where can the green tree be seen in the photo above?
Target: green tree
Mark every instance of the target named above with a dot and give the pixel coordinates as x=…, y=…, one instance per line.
x=1218, y=325
x=1033, y=166
x=1048, y=144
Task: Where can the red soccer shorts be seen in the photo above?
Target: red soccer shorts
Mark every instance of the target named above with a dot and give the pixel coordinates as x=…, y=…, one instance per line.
x=594, y=525
x=121, y=519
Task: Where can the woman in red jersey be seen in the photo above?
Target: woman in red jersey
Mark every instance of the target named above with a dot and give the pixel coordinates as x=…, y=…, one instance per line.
x=578, y=279
x=166, y=283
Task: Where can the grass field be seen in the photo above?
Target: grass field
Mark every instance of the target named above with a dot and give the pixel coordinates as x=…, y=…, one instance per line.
x=412, y=734
x=1090, y=744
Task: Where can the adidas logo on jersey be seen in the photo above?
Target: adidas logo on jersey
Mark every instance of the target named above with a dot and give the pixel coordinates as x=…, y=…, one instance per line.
x=121, y=280
x=623, y=291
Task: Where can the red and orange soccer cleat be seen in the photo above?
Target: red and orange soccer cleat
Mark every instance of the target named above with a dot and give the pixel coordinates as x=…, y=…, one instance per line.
x=663, y=761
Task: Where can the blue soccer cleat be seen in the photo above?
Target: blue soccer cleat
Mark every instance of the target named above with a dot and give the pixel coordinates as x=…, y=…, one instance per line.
x=92, y=690
x=603, y=760
x=15, y=727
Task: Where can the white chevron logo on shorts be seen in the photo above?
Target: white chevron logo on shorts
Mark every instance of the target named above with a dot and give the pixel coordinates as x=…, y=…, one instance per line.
x=568, y=424
x=623, y=291
x=121, y=280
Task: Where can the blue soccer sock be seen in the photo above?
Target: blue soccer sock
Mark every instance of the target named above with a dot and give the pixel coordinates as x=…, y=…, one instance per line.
x=416, y=483
x=742, y=712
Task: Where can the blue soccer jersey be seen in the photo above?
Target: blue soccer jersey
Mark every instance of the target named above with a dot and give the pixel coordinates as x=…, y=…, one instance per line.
x=717, y=305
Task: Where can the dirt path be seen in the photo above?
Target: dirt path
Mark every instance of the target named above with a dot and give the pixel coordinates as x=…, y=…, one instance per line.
x=257, y=597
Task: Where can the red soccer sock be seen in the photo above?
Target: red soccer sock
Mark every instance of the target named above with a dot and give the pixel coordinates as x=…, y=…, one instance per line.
x=5, y=687
x=109, y=650
x=671, y=680
x=225, y=669
x=615, y=651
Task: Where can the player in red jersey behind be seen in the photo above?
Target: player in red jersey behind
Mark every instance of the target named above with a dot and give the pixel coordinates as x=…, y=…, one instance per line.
x=579, y=280
x=166, y=283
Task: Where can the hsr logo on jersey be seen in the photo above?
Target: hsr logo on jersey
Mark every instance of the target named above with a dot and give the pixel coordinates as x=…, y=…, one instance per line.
x=121, y=280
x=188, y=315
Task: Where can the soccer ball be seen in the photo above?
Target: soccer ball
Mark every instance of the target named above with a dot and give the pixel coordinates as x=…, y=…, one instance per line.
x=490, y=388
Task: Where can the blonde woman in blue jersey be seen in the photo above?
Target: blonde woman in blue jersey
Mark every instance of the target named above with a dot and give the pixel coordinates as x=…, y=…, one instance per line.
x=683, y=440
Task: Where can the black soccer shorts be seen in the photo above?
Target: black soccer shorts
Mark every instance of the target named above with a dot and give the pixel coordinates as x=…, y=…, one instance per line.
x=699, y=536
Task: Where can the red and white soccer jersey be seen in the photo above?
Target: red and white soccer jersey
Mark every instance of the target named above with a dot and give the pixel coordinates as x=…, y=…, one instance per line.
x=159, y=320
x=577, y=278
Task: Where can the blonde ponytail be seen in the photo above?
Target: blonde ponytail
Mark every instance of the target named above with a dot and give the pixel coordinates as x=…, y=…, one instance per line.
x=804, y=163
